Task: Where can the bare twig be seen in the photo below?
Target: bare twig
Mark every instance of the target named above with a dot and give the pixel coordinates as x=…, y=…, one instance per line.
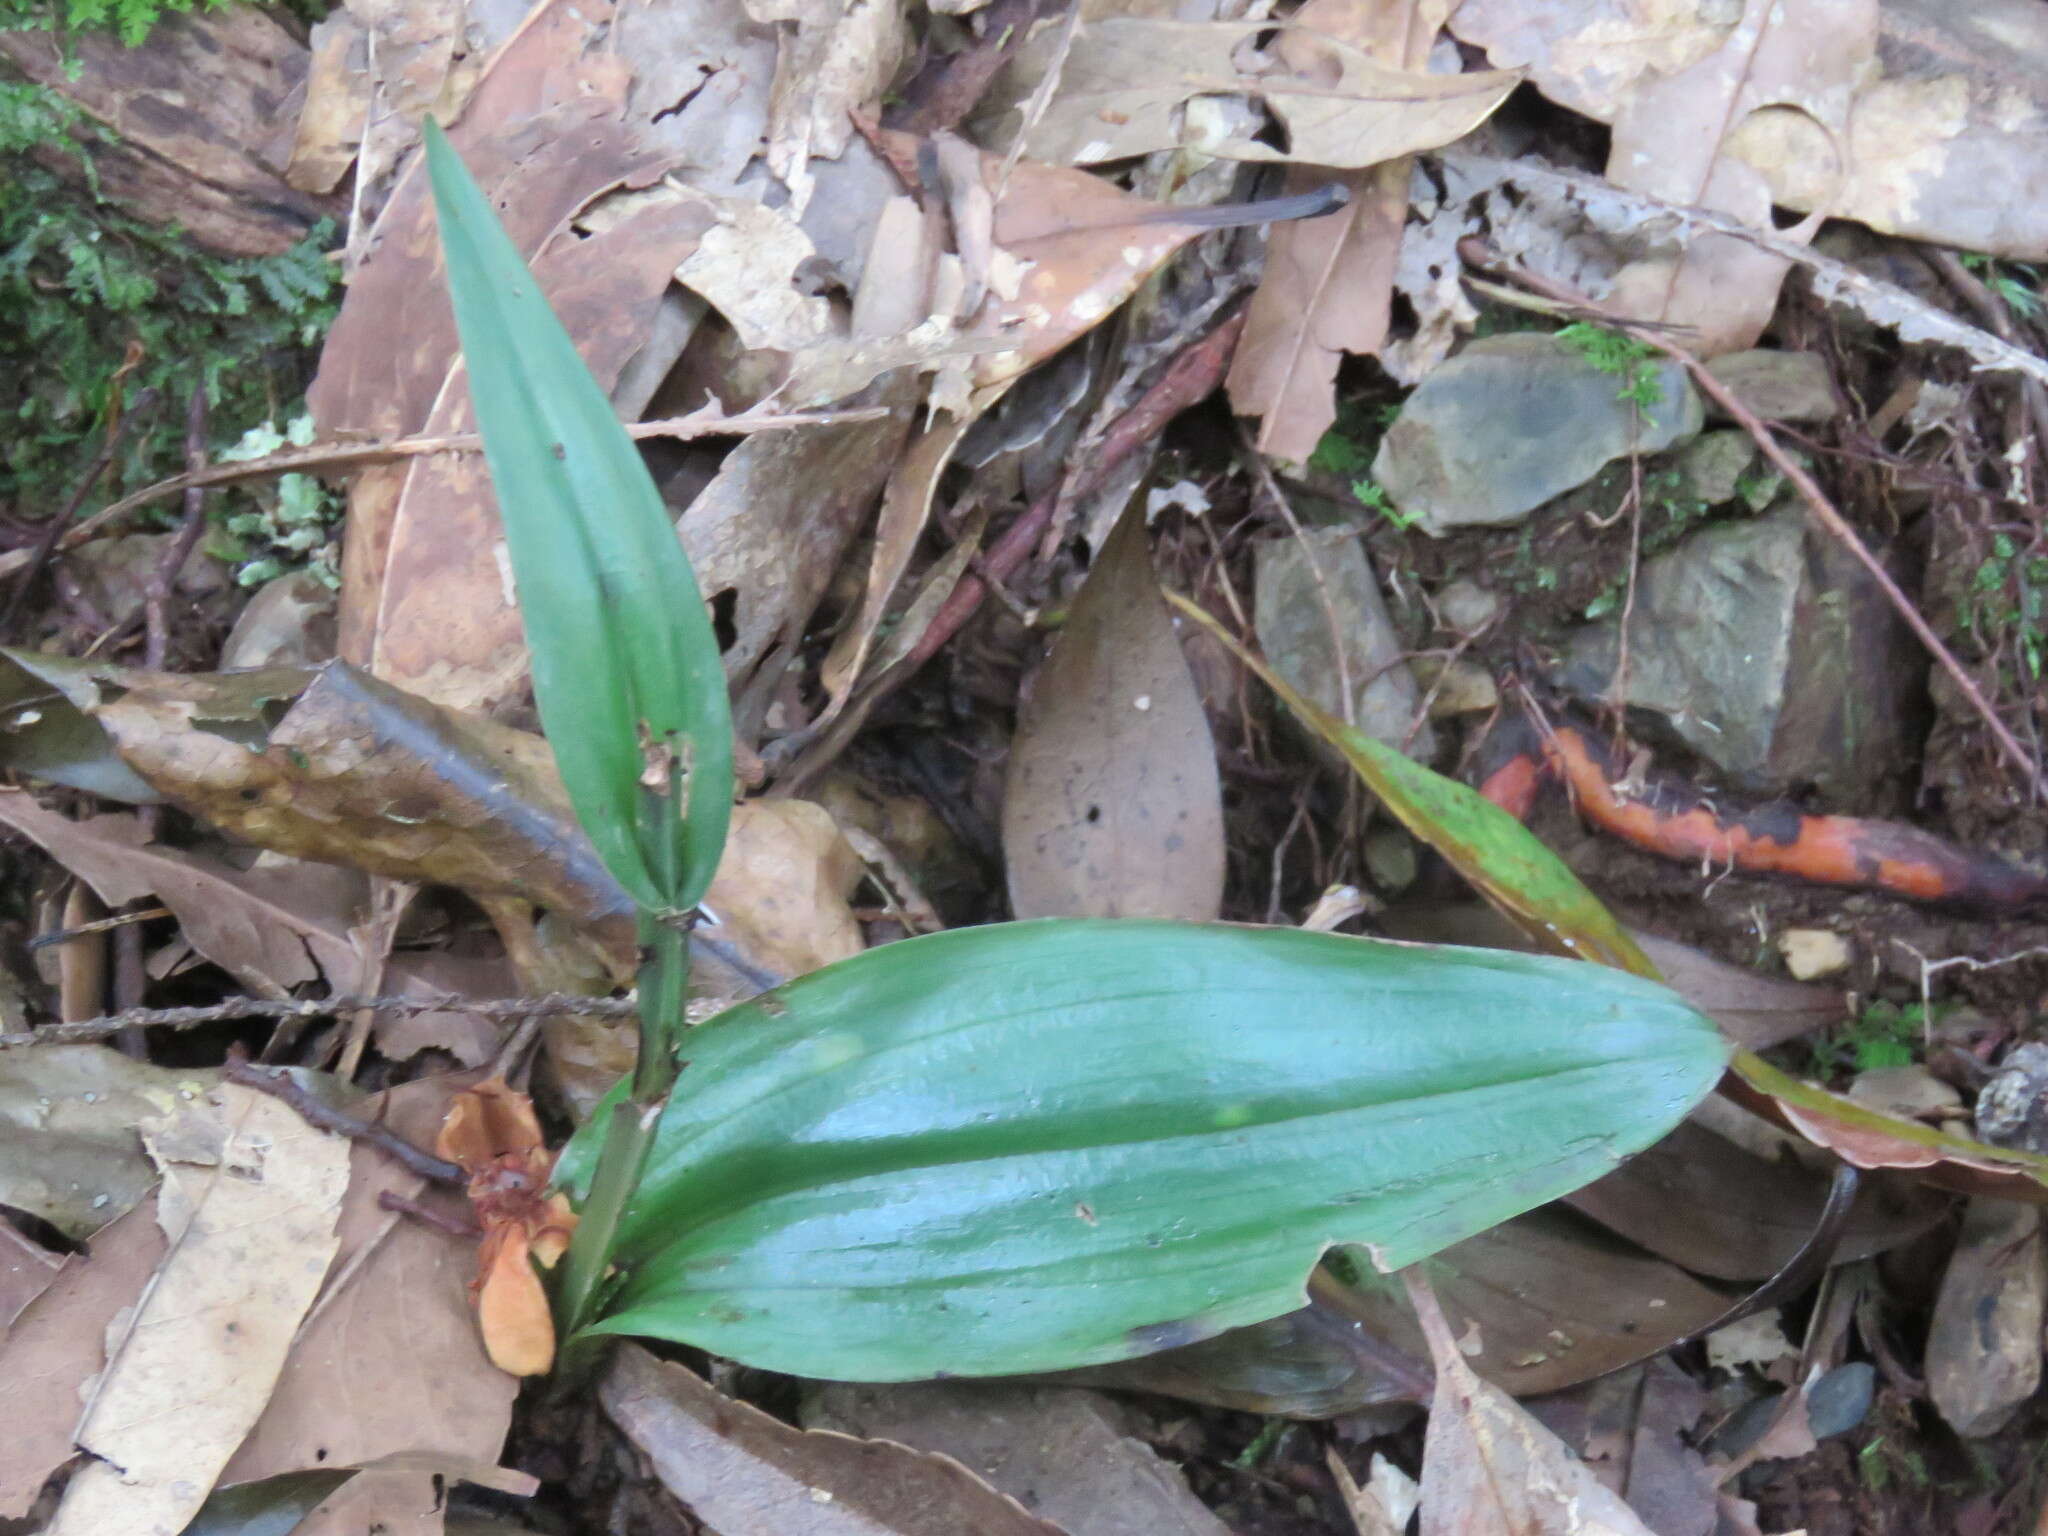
x=303, y=1009
x=1479, y=254
x=338, y=456
x=280, y=1084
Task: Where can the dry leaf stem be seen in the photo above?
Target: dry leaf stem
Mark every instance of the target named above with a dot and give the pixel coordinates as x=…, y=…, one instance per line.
x=1477, y=253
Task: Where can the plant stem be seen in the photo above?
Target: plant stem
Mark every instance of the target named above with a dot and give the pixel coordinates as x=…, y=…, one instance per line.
x=664, y=980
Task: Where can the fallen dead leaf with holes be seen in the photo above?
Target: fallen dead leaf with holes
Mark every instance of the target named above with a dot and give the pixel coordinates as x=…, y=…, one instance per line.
x=1113, y=807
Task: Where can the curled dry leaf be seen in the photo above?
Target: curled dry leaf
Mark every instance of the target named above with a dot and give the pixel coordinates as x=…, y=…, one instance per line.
x=746, y=1474
x=492, y=1134
x=1113, y=807
x=333, y=765
x=1869, y=1138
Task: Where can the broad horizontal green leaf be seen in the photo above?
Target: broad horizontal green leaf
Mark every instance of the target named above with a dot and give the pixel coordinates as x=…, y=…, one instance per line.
x=1040, y=1145
x=1504, y=860
x=626, y=667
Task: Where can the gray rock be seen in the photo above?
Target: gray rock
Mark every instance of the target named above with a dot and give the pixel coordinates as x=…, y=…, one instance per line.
x=1294, y=627
x=1514, y=420
x=1983, y=1356
x=1710, y=467
x=1464, y=606
x=1778, y=386
x=1771, y=653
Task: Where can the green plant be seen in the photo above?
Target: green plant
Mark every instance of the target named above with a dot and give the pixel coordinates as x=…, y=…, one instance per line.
x=2013, y=281
x=1884, y=1034
x=2007, y=599
x=1019, y=1147
x=1346, y=451
x=94, y=304
x=1610, y=351
x=294, y=522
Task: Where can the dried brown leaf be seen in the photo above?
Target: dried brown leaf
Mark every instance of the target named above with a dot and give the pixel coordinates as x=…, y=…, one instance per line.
x=747, y=1474
x=1066, y=1454
x=832, y=56
x=272, y=926
x=1328, y=283
x=1950, y=101
x=26, y=1270
x=782, y=888
x=1551, y=1299
x=389, y=1360
x=58, y=1344
x=1113, y=807
x=249, y=1202
x=1721, y=1211
x=338, y=92
x=1128, y=81
x=1488, y=1468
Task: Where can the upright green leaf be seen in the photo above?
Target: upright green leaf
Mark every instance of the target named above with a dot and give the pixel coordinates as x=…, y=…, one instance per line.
x=625, y=665
x=1040, y=1145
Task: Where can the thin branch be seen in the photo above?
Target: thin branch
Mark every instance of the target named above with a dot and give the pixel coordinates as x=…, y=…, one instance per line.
x=280, y=1084
x=1479, y=254
x=301, y=1009
x=338, y=456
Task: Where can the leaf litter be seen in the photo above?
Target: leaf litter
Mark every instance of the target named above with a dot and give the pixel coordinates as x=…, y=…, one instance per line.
x=929, y=273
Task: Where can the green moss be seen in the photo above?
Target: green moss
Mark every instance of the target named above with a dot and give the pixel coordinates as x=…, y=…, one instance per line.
x=84, y=289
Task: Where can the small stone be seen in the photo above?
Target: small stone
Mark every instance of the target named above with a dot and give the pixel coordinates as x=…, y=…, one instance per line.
x=1811, y=953
x=1464, y=606
x=1299, y=584
x=1514, y=420
x=1390, y=859
x=1710, y=467
x=1770, y=652
x=2012, y=1108
x=1455, y=687
x=1913, y=1092
x=1778, y=386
